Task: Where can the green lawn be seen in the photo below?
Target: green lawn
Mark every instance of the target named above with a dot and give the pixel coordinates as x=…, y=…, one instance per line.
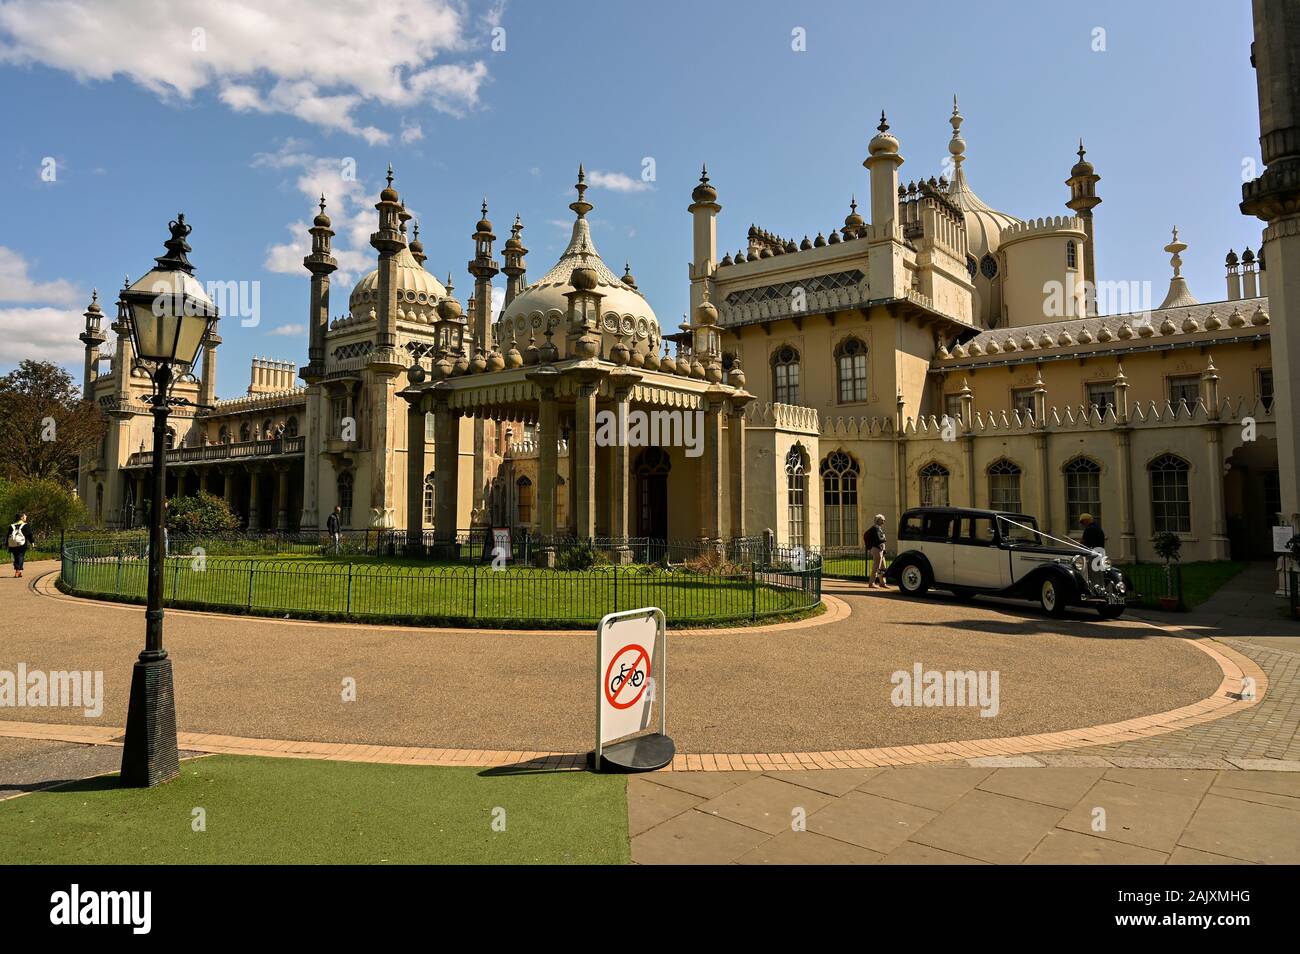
x=289, y=811
x=338, y=587
x=1201, y=579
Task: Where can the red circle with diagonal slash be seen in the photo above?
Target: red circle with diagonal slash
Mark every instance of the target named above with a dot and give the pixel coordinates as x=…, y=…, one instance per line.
x=612, y=699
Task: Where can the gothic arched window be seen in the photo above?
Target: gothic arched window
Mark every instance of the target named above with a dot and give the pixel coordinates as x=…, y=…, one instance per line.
x=839, y=500
x=785, y=376
x=1004, y=485
x=524, y=502
x=1082, y=489
x=1171, y=507
x=428, y=499
x=851, y=368
x=1071, y=254
x=796, y=489
x=344, y=487
x=934, y=485
x=245, y=431
x=291, y=427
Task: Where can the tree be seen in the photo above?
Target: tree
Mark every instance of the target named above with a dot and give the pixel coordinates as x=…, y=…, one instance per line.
x=201, y=514
x=45, y=426
x=50, y=505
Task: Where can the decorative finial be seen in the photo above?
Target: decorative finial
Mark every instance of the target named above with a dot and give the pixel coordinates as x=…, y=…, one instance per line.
x=704, y=173
x=322, y=203
x=415, y=228
x=853, y=202
x=1175, y=249
x=1081, y=149
x=485, y=207
x=582, y=206
x=884, y=125
x=390, y=175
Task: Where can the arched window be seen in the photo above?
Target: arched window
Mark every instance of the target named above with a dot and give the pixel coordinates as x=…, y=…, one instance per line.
x=245, y=431
x=934, y=485
x=267, y=427
x=785, y=376
x=344, y=486
x=428, y=499
x=851, y=366
x=1071, y=254
x=524, y=501
x=291, y=427
x=796, y=489
x=839, y=500
x=223, y=435
x=1082, y=489
x=171, y=438
x=1171, y=507
x=1004, y=486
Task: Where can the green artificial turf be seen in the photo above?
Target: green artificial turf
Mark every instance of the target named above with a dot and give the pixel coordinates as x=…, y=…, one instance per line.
x=291, y=811
x=347, y=588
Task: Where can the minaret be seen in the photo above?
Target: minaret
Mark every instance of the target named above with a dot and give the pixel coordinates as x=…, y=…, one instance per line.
x=124, y=355
x=886, y=274
x=321, y=263
x=388, y=241
x=92, y=338
x=208, y=379
x=514, y=267
x=417, y=247
x=1083, y=199
x=484, y=268
x=704, y=211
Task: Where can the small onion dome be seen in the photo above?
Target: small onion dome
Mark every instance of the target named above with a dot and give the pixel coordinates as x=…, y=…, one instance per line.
x=630, y=281
x=805, y=244
x=389, y=194
x=1083, y=167
x=93, y=307
x=753, y=232
x=322, y=220
x=1236, y=319
x=790, y=246
x=620, y=354
x=1247, y=257
x=853, y=221
x=1260, y=317
x=1065, y=339
x=1104, y=333
x=1085, y=336
x=704, y=192
x=1010, y=344
x=415, y=373
x=461, y=364
x=1146, y=330
x=531, y=354
x=1167, y=327
x=726, y=260
x=495, y=360
x=484, y=224
x=1190, y=324
x=883, y=143
x=514, y=358
x=706, y=313
x=1231, y=260
x=478, y=363
x=651, y=359
x=1044, y=340
x=736, y=376
x=993, y=348
x=976, y=349
x=834, y=238
x=1213, y=322
x=819, y=241
x=449, y=309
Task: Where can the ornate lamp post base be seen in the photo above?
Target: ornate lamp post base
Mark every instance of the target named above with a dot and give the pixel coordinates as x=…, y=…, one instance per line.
x=149, y=756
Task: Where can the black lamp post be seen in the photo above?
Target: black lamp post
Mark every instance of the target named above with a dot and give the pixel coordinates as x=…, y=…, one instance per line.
x=169, y=315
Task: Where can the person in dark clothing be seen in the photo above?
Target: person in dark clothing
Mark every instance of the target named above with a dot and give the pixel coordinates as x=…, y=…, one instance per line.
x=874, y=539
x=1093, y=536
x=332, y=527
x=19, y=538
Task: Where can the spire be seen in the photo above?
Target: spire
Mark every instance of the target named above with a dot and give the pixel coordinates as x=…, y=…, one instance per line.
x=956, y=145
x=884, y=124
x=1179, y=294
x=582, y=206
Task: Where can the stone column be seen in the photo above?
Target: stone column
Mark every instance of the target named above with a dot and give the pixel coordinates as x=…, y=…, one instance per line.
x=548, y=419
x=1124, y=473
x=1218, y=521
x=582, y=456
x=736, y=466
x=968, y=449
x=711, y=482
x=282, y=497
x=228, y=486
x=1044, y=481
x=180, y=482
x=446, y=474
x=315, y=407
x=254, y=490
x=415, y=472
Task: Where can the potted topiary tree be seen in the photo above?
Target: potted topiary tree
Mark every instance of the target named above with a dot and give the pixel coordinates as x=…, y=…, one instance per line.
x=1169, y=546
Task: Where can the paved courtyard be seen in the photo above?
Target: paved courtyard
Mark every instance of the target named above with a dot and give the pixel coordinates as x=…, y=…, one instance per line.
x=1225, y=788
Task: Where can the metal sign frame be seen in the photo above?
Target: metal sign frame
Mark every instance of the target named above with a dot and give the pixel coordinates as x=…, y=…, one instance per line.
x=659, y=666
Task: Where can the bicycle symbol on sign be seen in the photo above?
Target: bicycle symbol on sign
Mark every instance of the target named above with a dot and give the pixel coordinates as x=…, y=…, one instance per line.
x=636, y=678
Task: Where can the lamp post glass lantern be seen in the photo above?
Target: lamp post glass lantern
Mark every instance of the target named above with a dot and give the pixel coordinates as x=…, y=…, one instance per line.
x=169, y=315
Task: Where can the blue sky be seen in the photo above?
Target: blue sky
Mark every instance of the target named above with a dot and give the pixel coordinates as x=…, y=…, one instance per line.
x=238, y=134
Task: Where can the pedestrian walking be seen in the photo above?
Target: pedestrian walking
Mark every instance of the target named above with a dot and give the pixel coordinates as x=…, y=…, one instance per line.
x=1094, y=538
x=332, y=527
x=20, y=538
x=874, y=539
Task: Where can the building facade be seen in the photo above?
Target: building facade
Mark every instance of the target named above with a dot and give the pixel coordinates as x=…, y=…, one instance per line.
x=939, y=351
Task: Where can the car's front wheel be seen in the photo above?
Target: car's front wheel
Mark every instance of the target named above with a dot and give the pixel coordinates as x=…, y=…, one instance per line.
x=1052, y=597
x=913, y=580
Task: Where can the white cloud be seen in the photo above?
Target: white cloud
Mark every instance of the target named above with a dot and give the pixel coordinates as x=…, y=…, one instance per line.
x=617, y=182
x=17, y=285
x=289, y=330
x=411, y=132
x=42, y=334
x=319, y=60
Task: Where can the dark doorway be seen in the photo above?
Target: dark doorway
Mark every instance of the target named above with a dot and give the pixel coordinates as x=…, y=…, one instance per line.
x=651, y=469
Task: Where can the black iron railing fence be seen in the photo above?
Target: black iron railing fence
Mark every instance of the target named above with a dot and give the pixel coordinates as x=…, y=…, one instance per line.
x=264, y=575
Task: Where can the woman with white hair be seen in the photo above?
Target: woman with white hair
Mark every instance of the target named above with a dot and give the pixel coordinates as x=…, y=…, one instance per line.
x=874, y=538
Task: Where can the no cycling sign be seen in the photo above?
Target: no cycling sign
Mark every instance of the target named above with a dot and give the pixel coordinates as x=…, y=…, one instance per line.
x=631, y=661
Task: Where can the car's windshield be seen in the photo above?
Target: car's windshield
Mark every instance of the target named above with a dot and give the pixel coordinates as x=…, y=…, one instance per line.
x=1020, y=529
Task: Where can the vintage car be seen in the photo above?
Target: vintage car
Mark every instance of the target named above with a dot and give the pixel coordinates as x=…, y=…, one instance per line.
x=968, y=551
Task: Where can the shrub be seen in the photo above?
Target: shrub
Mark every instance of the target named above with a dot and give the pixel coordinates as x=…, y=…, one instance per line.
x=712, y=563
x=50, y=505
x=200, y=515
x=583, y=556
x=1169, y=546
